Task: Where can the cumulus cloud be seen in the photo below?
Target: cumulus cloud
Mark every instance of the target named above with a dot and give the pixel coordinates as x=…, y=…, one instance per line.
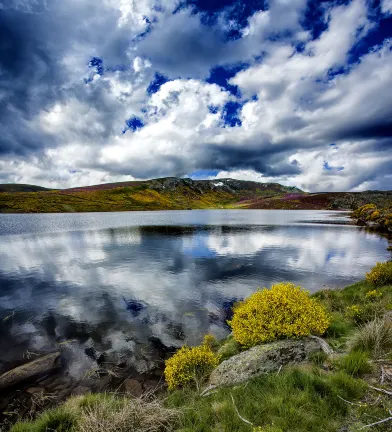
x=75, y=75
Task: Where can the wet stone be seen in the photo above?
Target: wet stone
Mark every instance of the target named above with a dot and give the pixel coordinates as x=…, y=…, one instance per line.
x=80, y=390
x=63, y=394
x=133, y=387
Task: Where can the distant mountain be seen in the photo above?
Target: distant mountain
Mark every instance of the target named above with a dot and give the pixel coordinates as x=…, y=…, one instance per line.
x=173, y=193
x=201, y=186
x=15, y=187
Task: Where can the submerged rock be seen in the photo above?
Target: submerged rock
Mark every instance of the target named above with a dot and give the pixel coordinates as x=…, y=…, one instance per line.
x=263, y=359
x=40, y=366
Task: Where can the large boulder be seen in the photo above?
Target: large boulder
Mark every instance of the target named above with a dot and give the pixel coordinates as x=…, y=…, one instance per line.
x=264, y=359
x=40, y=366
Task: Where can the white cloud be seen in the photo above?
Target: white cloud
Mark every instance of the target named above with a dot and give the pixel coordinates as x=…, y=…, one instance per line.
x=72, y=135
x=386, y=6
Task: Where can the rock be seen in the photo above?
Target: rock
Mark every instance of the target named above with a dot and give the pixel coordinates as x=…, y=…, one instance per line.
x=37, y=367
x=63, y=394
x=133, y=387
x=152, y=386
x=103, y=382
x=263, y=359
x=80, y=390
x=374, y=225
x=60, y=387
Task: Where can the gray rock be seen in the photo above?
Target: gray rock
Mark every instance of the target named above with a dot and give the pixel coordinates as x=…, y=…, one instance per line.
x=39, y=366
x=80, y=390
x=35, y=390
x=263, y=359
x=63, y=394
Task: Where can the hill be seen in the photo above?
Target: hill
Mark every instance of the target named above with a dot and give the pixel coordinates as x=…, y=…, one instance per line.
x=172, y=193
x=15, y=187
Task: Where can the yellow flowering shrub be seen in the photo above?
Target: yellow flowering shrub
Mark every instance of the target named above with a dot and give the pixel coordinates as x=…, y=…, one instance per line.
x=190, y=364
x=380, y=274
x=374, y=216
x=365, y=209
x=373, y=295
x=285, y=310
x=355, y=313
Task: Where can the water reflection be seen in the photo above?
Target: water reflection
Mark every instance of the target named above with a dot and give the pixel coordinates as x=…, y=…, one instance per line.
x=128, y=291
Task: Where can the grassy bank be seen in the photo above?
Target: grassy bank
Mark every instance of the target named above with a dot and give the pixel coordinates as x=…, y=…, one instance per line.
x=345, y=391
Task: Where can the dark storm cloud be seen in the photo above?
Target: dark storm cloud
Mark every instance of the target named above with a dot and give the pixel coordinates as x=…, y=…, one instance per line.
x=33, y=63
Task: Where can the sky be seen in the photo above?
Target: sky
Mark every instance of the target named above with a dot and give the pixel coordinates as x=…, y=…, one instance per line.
x=290, y=91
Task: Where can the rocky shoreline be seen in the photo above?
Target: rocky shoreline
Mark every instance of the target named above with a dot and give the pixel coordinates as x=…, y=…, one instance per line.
x=43, y=382
x=379, y=219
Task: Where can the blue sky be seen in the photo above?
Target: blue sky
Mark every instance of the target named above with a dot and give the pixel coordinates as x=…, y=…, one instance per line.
x=290, y=91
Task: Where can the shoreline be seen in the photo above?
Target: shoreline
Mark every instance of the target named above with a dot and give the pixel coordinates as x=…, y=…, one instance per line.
x=42, y=392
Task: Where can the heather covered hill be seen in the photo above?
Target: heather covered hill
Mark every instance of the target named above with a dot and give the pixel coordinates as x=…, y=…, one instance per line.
x=173, y=193
x=159, y=194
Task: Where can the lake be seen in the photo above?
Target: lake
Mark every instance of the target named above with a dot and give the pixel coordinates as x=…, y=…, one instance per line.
x=133, y=284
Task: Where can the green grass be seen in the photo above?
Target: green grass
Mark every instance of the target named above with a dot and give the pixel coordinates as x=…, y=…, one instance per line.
x=356, y=363
x=59, y=420
x=375, y=338
x=228, y=348
x=295, y=400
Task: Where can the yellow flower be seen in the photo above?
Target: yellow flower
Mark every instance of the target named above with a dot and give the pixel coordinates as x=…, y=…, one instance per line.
x=373, y=295
x=380, y=274
x=190, y=364
x=285, y=310
x=354, y=312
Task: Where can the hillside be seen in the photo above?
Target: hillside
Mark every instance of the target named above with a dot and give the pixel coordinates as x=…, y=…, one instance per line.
x=175, y=194
x=14, y=187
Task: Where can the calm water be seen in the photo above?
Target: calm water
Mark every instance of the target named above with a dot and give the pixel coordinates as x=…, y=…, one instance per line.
x=130, y=284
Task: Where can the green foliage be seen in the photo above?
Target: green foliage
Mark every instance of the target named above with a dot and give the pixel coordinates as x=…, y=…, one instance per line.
x=285, y=310
x=356, y=363
x=375, y=337
x=380, y=274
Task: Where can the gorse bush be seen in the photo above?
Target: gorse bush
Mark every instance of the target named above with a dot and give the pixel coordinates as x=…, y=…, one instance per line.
x=285, y=310
x=190, y=365
x=380, y=274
